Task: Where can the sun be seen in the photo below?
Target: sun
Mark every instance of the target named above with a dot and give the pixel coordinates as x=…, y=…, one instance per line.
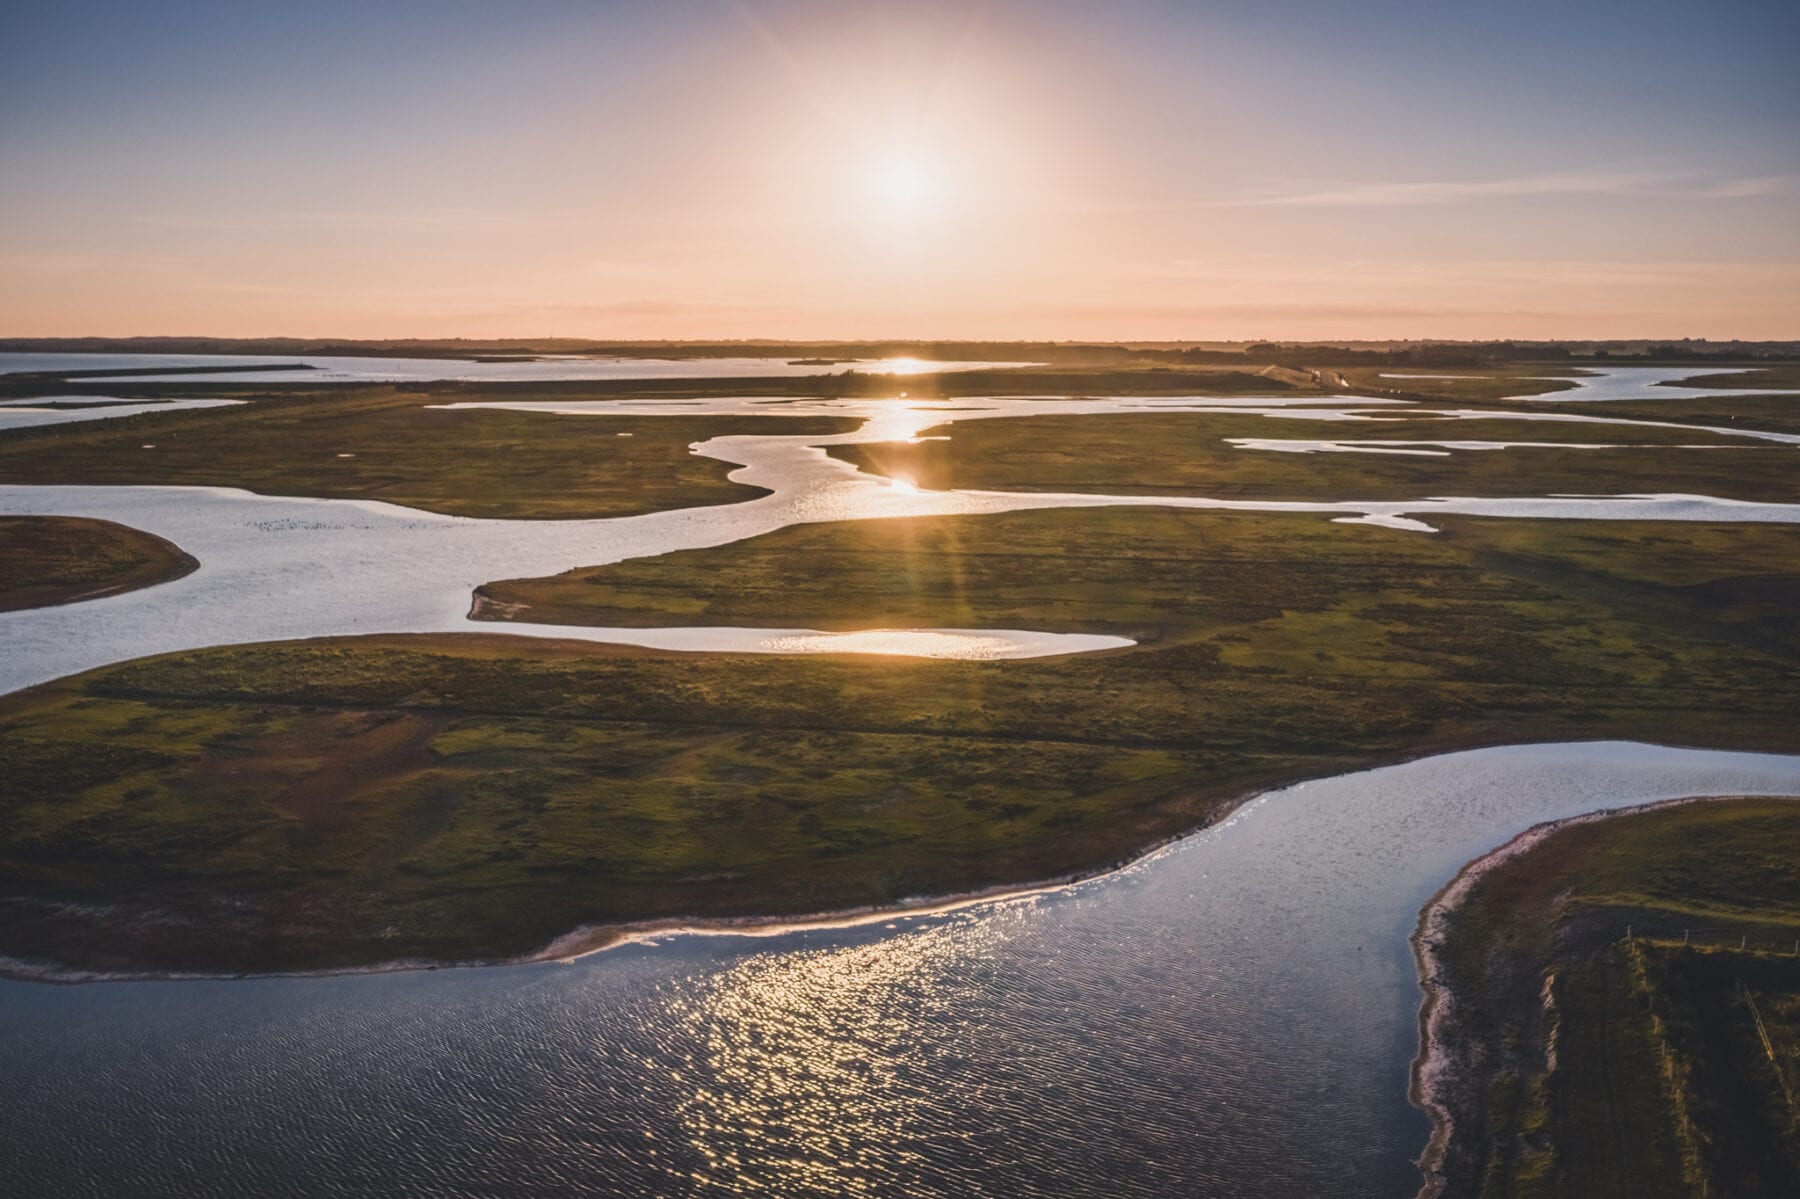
x=903, y=184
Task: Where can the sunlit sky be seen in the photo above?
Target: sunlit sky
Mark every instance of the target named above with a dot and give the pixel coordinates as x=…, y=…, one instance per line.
x=739, y=168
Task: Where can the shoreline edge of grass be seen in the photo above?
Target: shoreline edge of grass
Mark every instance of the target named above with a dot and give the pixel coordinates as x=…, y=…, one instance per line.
x=1441, y=1078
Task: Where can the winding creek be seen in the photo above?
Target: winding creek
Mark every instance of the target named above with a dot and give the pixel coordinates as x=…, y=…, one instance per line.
x=1233, y=1015
x=278, y=567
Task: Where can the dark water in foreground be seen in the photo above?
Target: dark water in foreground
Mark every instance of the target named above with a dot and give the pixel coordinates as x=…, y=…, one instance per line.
x=1233, y=1017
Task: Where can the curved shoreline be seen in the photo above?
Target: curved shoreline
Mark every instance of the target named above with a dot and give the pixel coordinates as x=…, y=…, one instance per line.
x=1436, y=1082
x=587, y=940
x=1109, y=917
x=160, y=560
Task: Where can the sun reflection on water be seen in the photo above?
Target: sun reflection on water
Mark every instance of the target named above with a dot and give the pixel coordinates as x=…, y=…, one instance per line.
x=904, y=366
x=913, y=643
x=813, y=1057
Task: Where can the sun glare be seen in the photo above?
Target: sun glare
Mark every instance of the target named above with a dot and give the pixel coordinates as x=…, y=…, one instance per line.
x=903, y=185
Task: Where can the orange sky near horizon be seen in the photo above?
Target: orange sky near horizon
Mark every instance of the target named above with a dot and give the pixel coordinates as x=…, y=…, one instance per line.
x=935, y=170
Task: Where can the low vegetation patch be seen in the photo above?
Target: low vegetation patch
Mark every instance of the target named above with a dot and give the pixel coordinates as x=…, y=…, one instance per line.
x=1768, y=413
x=1761, y=379
x=1194, y=454
x=341, y=802
x=1611, y=989
x=385, y=444
x=61, y=559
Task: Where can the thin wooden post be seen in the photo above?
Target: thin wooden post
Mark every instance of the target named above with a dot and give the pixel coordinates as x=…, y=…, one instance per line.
x=1768, y=1047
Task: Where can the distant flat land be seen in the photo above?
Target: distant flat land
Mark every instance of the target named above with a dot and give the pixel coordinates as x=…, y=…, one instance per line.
x=1659, y=1083
x=452, y=797
x=1392, y=354
x=1773, y=413
x=60, y=559
x=852, y=380
x=384, y=444
x=1759, y=379
x=1192, y=454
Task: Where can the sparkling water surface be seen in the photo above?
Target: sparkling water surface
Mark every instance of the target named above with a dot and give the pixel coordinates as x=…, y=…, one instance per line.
x=1233, y=1016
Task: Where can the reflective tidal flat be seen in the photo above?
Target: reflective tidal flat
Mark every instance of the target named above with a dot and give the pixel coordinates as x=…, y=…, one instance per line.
x=1234, y=1015
x=326, y=368
x=283, y=567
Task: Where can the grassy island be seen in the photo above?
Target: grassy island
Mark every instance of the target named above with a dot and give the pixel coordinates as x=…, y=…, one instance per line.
x=383, y=443
x=344, y=802
x=1181, y=453
x=1605, y=988
x=62, y=559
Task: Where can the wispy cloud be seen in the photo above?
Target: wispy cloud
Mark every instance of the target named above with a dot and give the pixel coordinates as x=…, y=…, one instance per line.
x=1477, y=275
x=1574, y=183
x=419, y=220
x=1760, y=185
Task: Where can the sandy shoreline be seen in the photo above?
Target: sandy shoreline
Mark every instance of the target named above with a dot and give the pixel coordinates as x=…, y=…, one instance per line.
x=585, y=940
x=1436, y=1078
x=590, y=939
